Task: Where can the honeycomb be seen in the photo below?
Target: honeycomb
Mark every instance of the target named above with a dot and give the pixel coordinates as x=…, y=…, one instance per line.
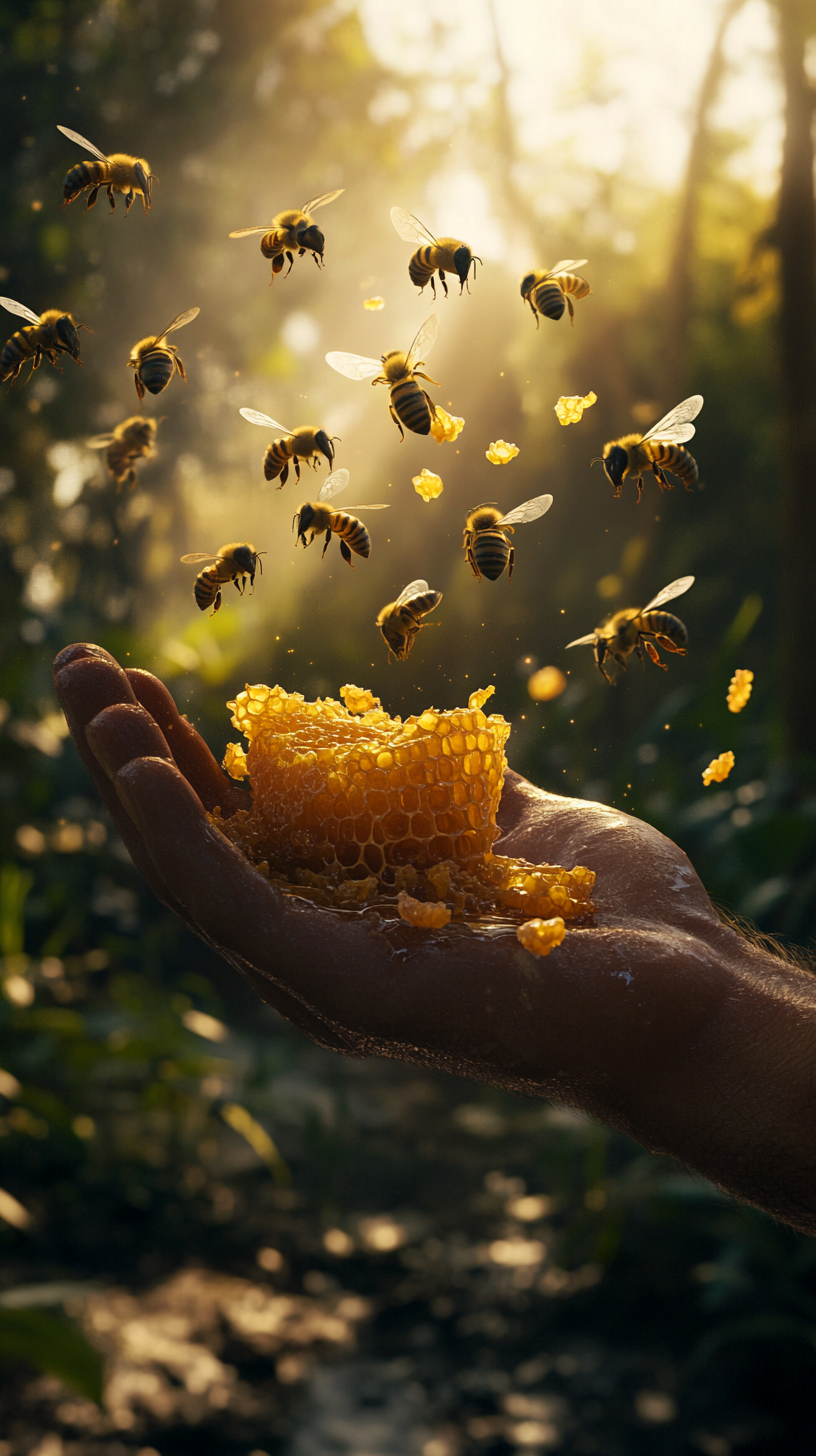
x=739, y=689
x=500, y=453
x=541, y=936
x=351, y=805
x=427, y=485
x=424, y=913
x=718, y=769
x=445, y=427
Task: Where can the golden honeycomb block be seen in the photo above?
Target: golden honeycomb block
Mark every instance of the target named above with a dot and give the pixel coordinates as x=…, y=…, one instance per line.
x=718, y=769
x=570, y=407
x=541, y=936
x=739, y=689
x=350, y=805
x=445, y=427
x=424, y=913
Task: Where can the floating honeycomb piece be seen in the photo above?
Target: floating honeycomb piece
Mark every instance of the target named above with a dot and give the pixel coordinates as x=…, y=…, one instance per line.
x=373, y=305
x=445, y=427
x=570, y=407
x=428, y=485
x=718, y=769
x=541, y=936
x=349, y=804
x=500, y=453
x=739, y=689
x=426, y=915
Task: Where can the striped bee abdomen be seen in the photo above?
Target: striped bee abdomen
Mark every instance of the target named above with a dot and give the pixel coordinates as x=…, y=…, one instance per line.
x=665, y=624
x=207, y=589
x=352, y=531
x=421, y=266
x=548, y=299
x=675, y=459
x=156, y=370
x=276, y=460
x=491, y=552
x=411, y=406
x=84, y=174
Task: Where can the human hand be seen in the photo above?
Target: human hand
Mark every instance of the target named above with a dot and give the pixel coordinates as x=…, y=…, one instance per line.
x=657, y=1017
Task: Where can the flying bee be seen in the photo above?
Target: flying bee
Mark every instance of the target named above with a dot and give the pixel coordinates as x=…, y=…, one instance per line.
x=317, y=517
x=132, y=440
x=486, y=542
x=409, y=404
x=547, y=292
x=292, y=232
x=154, y=361
x=117, y=173
x=233, y=562
x=47, y=336
x=658, y=450
x=442, y=255
x=401, y=621
x=630, y=631
x=304, y=443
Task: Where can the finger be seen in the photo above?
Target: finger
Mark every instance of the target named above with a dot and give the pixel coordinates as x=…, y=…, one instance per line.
x=187, y=746
x=124, y=731
x=87, y=680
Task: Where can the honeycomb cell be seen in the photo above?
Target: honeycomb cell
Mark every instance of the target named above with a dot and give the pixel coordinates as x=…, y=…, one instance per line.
x=428, y=916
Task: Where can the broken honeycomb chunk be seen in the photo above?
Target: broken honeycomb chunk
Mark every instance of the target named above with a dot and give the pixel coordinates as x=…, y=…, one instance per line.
x=739, y=689
x=500, y=453
x=541, y=936
x=570, y=407
x=718, y=769
x=428, y=916
x=351, y=805
x=445, y=427
x=427, y=485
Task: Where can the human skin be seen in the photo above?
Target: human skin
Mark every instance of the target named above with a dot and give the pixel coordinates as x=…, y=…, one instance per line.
x=657, y=1018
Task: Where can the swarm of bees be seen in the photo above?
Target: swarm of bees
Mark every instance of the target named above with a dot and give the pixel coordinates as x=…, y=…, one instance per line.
x=488, y=547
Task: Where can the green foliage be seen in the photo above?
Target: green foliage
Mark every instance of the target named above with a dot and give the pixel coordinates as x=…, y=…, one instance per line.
x=52, y=1345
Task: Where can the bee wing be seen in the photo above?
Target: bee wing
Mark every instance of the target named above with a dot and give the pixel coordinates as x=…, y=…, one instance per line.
x=424, y=341
x=322, y=201
x=99, y=442
x=178, y=322
x=674, y=589
x=675, y=427
x=194, y=556
x=583, y=641
x=566, y=265
x=20, y=308
x=83, y=142
x=354, y=366
x=256, y=418
x=245, y=232
x=529, y=511
x=410, y=229
x=413, y=589
x=333, y=485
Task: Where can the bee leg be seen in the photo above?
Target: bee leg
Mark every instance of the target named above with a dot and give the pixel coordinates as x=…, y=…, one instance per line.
x=396, y=421
x=92, y=196
x=660, y=477
x=180, y=368
x=442, y=281
x=284, y=476
x=432, y=282
x=345, y=553
x=639, y=655
x=216, y=603
x=668, y=646
x=129, y=198
x=571, y=310
x=111, y=198
x=511, y=563
x=290, y=256
x=639, y=488
x=472, y=560
x=326, y=546
x=652, y=651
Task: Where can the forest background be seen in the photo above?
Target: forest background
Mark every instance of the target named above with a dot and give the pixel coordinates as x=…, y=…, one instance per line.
x=155, y=1119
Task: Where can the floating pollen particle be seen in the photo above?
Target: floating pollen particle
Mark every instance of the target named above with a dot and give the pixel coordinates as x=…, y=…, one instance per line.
x=373, y=304
x=739, y=689
x=428, y=485
x=445, y=427
x=570, y=407
x=418, y=912
x=540, y=936
x=547, y=683
x=500, y=453
x=718, y=769
x=359, y=700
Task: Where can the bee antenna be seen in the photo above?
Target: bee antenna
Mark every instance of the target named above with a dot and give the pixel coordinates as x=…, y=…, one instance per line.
x=595, y=459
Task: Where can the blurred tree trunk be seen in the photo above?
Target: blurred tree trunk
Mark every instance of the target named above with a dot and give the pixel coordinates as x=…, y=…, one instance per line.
x=680, y=281
x=795, y=235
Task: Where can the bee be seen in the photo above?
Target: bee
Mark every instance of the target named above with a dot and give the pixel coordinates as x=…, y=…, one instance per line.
x=659, y=449
x=400, y=621
x=292, y=232
x=131, y=441
x=48, y=335
x=547, y=292
x=409, y=404
x=117, y=173
x=233, y=562
x=442, y=255
x=317, y=517
x=154, y=361
x=304, y=443
x=630, y=631
x=486, y=543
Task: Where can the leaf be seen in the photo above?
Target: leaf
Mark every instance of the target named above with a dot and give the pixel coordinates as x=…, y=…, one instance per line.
x=52, y=1345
